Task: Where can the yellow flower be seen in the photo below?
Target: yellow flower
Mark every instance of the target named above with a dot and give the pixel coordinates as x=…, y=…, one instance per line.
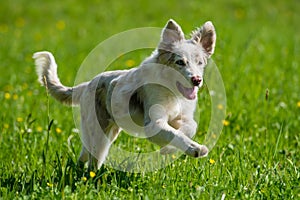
x=6, y=126
x=84, y=179
x=60, y=25
x=49, y=184
x=19, y=119
x=58, y=130
x=15, y=97
x=212, y=161
x=7, y=95
x=173, y=156
x=92, y=174
x=130, y=63
x=29, y=93
x=39, y=129
x=220, y=106
x=214, y=136
x=226, y=122
x=298, y=104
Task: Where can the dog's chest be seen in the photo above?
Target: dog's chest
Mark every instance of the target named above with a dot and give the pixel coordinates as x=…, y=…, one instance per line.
x=173, y=108
x=169, y=105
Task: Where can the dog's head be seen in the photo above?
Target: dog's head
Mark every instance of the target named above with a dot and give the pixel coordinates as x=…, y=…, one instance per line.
x=188, y=56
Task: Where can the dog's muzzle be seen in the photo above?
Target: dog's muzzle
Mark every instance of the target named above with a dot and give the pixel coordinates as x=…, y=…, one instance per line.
x=196, y=80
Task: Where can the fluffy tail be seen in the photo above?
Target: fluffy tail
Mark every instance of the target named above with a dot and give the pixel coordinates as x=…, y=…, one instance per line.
x=46, y=69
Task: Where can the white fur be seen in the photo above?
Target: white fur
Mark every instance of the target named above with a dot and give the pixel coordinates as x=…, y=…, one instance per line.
x=164, y=116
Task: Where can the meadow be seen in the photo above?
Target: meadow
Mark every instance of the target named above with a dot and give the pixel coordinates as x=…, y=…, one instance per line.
x=258, y=153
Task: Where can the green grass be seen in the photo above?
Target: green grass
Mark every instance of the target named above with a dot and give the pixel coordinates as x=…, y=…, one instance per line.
x=258, y=153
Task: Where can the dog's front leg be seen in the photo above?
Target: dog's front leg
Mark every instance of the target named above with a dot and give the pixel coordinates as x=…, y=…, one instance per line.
x=185, y=125
x=161, y=133
x=188, y=127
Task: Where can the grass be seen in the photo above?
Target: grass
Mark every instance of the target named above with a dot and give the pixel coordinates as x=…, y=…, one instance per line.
x=257, y=155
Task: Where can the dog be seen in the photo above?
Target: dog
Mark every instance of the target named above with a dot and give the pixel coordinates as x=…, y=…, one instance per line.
x=162, y=107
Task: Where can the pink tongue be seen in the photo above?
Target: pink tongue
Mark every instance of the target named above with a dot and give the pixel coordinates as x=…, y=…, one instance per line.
x=189, y=93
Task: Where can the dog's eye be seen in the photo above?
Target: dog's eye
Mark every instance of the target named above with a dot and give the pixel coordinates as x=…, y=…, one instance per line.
x=180, y=62
x=200, y=62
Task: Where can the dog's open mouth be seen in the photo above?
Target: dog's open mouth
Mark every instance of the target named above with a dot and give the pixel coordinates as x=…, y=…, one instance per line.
x=189, y=93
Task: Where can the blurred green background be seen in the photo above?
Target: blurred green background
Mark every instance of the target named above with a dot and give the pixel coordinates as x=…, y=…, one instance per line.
x=257, y=50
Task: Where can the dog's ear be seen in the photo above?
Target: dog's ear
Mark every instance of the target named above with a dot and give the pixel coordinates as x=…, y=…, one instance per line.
x=206, y=37
x=172, y=33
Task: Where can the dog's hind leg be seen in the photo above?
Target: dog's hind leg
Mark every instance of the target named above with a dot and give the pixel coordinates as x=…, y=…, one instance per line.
x=98, y=142
x=104, y=144
x=92, y=163
x=83, y=157
x=97, y=151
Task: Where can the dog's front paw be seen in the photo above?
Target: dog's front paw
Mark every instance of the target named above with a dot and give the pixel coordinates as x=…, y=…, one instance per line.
x=197, y=150
x=167, y=150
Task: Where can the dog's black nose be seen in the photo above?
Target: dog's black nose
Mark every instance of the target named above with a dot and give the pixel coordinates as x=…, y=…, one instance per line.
x=196, y=80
